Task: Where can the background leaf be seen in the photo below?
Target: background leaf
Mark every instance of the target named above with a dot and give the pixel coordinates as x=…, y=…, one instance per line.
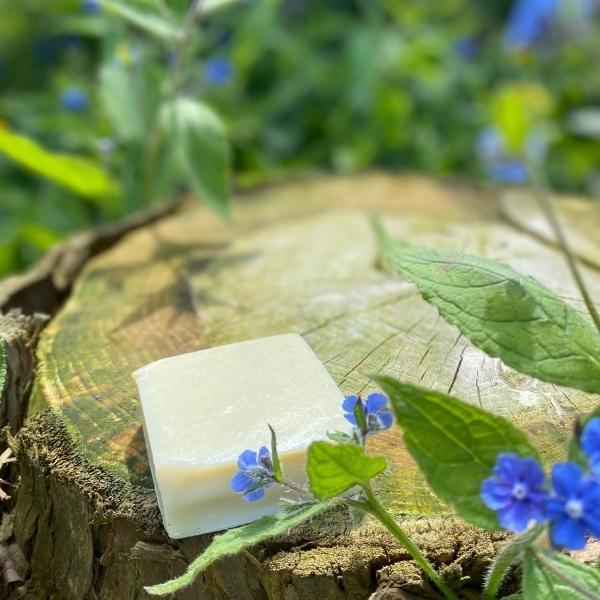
x=333, y=469
x=541, y=583
x=202, y=149
x=506, y=314
x=80, y=175
x=454, y=444
x=143, y=19
x=235, y=540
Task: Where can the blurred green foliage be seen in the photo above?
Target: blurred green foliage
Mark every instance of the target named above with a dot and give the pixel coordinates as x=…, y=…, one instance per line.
x=302, y=85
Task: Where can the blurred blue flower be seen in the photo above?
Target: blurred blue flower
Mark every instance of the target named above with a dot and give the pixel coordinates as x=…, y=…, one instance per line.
x=527, y=21
x=255, y=474
x=74, y=99
x=499, y=166
x=515, y=491
x=590, y=444
x=376, y=411
x=466, y=47
x=218, y=71
x=91, y=6
x=574, y=508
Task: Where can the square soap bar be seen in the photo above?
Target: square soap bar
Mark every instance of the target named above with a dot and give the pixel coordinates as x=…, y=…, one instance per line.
x=202, y=409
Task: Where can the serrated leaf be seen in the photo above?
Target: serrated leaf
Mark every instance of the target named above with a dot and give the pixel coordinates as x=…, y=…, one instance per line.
x=81, y=175
x=511, y=553
x=334, y=469
x=553, y=576
x=504, y=313
x=148, y=21
x=235, y=540
x=454, y=444
x=202, y=149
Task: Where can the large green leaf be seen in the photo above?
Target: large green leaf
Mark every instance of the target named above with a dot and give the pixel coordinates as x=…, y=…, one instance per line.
x=504, y=313
x=202, y=149
x=143, y=18
x=83, y=176
x=552, y=576
x=333, y=469
x=235, y=540
x=455, y=444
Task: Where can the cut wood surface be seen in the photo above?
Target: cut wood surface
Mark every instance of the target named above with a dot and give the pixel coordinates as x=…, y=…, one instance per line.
x=298, y=257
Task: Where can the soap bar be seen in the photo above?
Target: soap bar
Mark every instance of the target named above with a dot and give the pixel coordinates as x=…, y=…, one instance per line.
x=203, y=409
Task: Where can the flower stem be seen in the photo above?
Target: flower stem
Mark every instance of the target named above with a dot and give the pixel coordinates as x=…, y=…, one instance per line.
x=373, y=506
x=550, y=213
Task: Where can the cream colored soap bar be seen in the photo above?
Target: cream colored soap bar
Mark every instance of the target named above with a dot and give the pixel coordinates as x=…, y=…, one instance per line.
x=202, y=409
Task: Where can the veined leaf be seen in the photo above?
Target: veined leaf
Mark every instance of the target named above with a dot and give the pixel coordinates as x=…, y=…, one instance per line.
x=235, y=540
x=202, y=149
x=454, y=444
x=148, y=21
x=333, y=469
x=553, y=576
x=506, y=314
x=82, y=175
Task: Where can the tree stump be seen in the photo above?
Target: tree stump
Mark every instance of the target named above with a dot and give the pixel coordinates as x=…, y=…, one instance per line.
x=299, y=257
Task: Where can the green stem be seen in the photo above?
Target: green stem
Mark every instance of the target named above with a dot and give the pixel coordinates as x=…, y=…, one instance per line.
x=549, y=211
x=374, y=507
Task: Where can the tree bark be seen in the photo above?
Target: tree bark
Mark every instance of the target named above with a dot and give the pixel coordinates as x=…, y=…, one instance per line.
x=298, y=257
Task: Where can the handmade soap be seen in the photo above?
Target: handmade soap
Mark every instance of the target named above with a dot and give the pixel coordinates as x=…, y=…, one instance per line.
x=202, y=409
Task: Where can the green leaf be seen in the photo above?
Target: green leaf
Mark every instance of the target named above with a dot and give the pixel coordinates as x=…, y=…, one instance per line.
x=340, y=437
x=333, y=469
x=360, y=416
x=277, y=470
x=81, y=175
x=454, y=444
x=511, y=553
x=550, y=575
x=202, y=149
x=149, y=22
x=235, y=540
x=506, y=314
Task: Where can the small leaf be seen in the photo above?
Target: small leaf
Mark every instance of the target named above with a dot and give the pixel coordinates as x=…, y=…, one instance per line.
x=511, y=553
x=235, y=540
x=506, y=314
x=150, y=22
x=550, y=575
x=333, y=469
x=277, y=470
x=359, y=415
x=81, y=175
x=340, y=437
x=202, y=149
x=454, y=444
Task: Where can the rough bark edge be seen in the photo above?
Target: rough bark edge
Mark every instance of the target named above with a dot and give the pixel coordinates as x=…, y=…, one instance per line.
x=44, y=287
x=65, y=502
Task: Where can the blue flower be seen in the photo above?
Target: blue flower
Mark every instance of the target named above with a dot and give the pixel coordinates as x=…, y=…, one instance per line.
x=218, y=71
x=574, y=507
x=515, y=491
x=255, y=474
x=499, y=166
x=91, y=6
x=74, y=99
x=377, y=413
x=528, y=20
x=590, y=444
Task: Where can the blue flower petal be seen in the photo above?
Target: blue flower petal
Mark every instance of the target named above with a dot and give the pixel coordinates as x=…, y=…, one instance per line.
x=506, y=466
x=496, y=495
x=515, y=517
x=240, y=481
x=349, y=403
x=592, y=523
x=351, y=419
x=255, y=495
x=263, y=453
x=247, y=459
x=375, y=402
x=566, y=478
x=595, y=464
x=386, y=419
x=590, y=438
x=568, y=533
